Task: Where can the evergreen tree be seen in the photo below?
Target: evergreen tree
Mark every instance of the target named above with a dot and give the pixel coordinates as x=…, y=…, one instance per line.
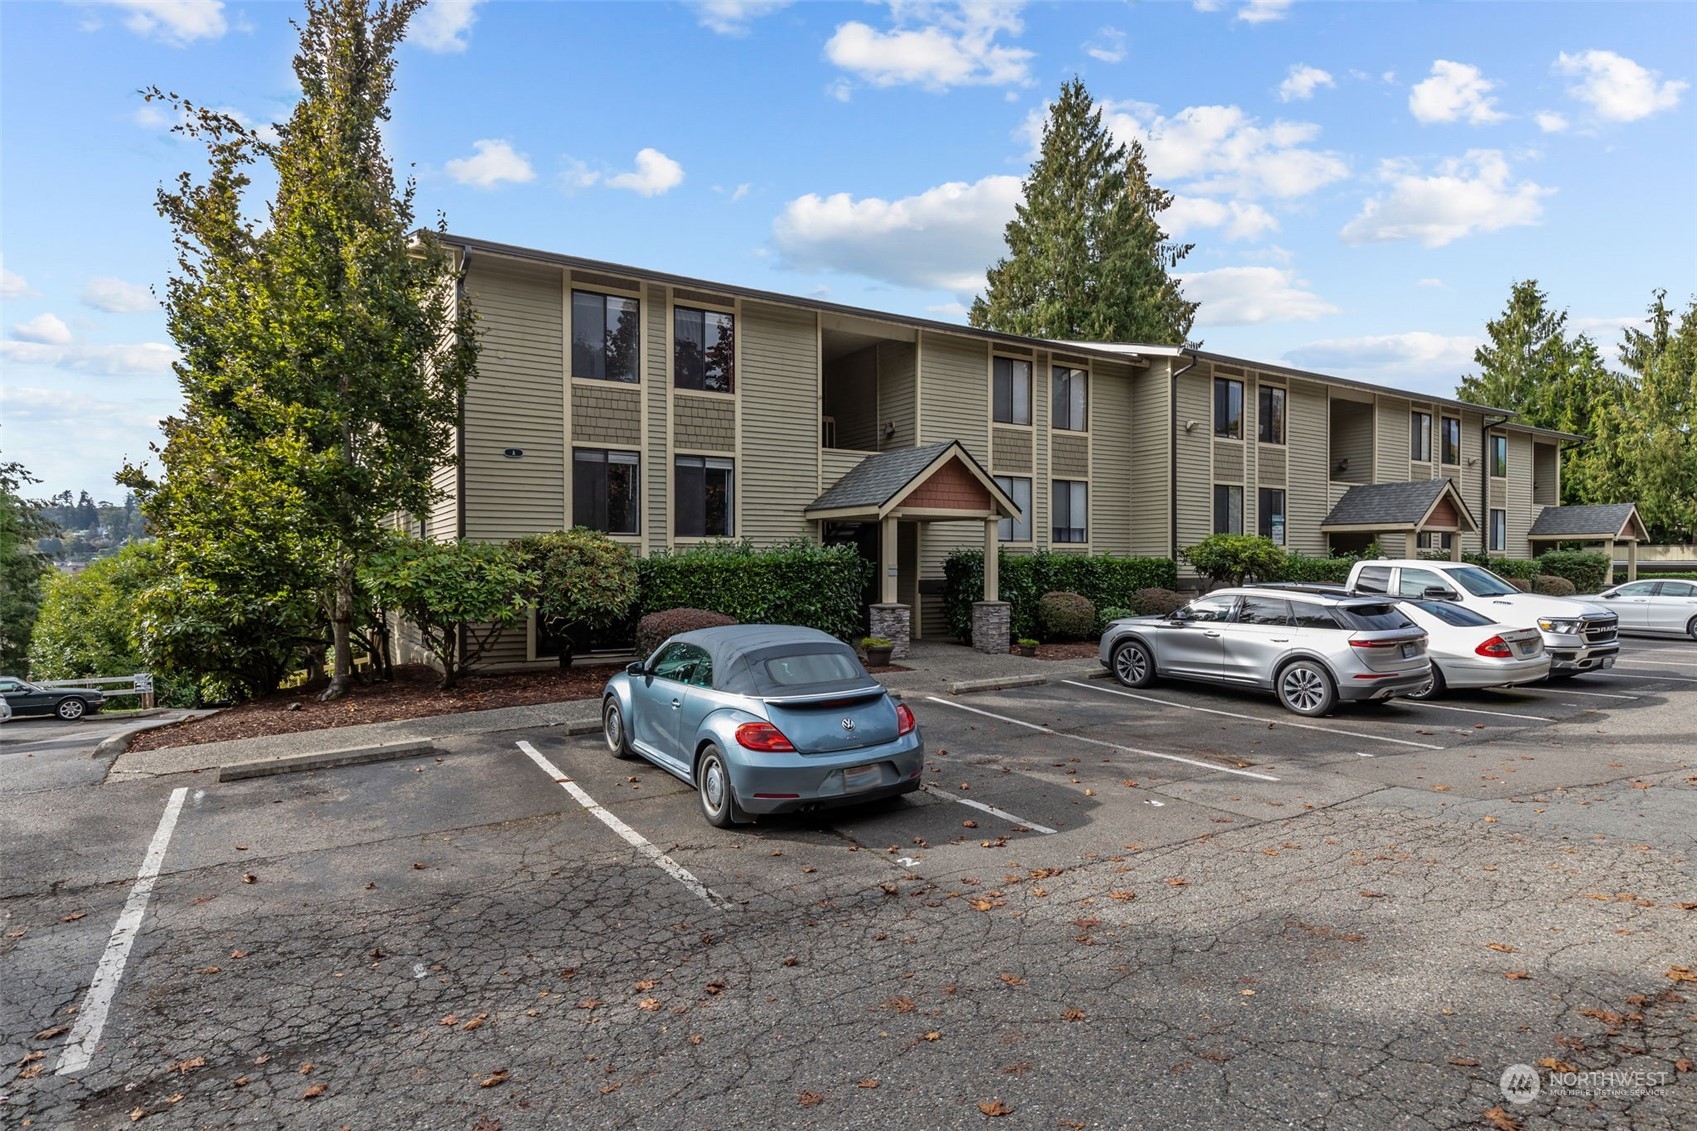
x=1087, y=259
x=22, y=567
x=1524, y=360
x=1660, y=431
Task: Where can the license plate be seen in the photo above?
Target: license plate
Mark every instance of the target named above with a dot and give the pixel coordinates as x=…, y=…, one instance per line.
x=1409, y=651
x=860, y=777
x=1528, y=649
x=1608, y=661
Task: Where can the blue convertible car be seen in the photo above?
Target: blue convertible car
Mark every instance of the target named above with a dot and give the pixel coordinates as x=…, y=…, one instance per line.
x=763, y=718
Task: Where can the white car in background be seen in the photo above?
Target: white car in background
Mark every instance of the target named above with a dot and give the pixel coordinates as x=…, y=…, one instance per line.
x=1653, y=606
x=1470, y=650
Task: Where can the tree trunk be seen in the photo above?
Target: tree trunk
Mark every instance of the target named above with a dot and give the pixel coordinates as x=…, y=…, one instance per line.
x=341, y=625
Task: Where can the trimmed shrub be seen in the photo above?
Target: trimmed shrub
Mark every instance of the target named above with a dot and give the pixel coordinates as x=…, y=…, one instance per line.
x=1588, y=571
x=1156, y=602
x=1324, y=571
x=1066, y=616
x=581, y=581
x=653, y=629
x=1552, y=586
x=1521, y=584
x=796, y=582
x=460, y=594
x=1107, y=616
x=1234, y=559
x=1102, y=579
x=1509, y=569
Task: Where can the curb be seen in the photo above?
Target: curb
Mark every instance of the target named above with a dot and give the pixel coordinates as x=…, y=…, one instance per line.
x=998, y=683
x=325, y=759
x=115, y=744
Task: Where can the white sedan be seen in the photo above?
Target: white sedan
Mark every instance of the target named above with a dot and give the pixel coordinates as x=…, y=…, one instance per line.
x=1468, y=649
x=1653, y=606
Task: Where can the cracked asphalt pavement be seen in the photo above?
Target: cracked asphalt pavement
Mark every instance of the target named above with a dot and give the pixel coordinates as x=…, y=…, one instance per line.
x=1240, y=919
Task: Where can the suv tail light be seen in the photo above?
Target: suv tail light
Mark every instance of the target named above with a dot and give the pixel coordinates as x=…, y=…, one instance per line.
x=1497, y=648
x=762, y=736
x=1356, y=642
x=905, y=721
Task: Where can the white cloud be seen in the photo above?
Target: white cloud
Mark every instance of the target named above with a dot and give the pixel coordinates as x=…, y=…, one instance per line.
x=98, y=360
x=1108, y=46
x=1455, y=91
x=1245, y=296
x=12, y=284
x=1302, y=81
x=1550, y=122
x=444, y=26
x=494, y=162
x=115, y=296
x=1220, y=149
x=1262, y=11
x=935, y=46
x=732, y=17
x=1616, y=88
x=36, y=406
x=1467, y=195
x=1239, y=220
x=655, y=173
x=175, y=22
x=1429, y=282
x=944, y=238
x=741, y=192
x=45, y=329
x=1413, y=360
x=948, y=311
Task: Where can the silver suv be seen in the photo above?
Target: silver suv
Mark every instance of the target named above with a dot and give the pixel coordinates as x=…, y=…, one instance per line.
x=1310, y=649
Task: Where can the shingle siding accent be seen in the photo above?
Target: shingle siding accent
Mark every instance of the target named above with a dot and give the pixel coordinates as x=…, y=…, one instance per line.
x=778, y=378
x=951, y=487
x=1228, y=462
x=610, y=415
x=656, y=389
x=1270, y=464
x=704, y=423
x=1071, y=457
x=1010, y=451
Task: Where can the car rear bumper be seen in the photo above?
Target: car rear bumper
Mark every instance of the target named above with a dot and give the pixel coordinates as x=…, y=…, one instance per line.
x=811, y=781
x=1460, y=673
x=1384, y=687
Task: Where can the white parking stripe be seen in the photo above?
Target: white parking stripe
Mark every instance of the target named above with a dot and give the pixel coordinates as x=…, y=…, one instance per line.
x=1571, y=691
x=1644, y=675
x=1478, y=711
x=990, y=809
x=636, y=840
x=1253, y=718
x=1649, y=663
x=91, y=1015
x=1109, y=745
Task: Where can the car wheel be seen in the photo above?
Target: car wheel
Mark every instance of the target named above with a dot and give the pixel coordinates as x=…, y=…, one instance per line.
x=1133, y=665
x=713, y=789
x=1691, y=629
x=70, y=709
x=613, y=729
x=1306, y=688
x=1431, y=690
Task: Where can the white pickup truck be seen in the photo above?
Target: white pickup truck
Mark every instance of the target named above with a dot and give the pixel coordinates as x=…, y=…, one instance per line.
x=1578, y=635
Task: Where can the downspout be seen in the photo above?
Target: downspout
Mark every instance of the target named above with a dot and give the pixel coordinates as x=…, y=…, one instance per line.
x=1172, y=457
x=1485, y=485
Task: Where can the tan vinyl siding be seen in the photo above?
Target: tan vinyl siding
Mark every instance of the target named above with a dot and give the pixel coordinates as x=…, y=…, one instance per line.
x=898, y=385
x=833, y=465
x=1390, y=464
x=1111, y=458
x=1351, y=440
x=1467, y=479
x=1010, y=451
x=442, y=523
x=1150, y=483
x=1521, y=512
x=854, y=379
x=656, y=388
x=703, y=423
x=1309, y=463
x=1195, y=456
x=778, y=378
x=604, y=413
x=954, y=403
x=1071, y=457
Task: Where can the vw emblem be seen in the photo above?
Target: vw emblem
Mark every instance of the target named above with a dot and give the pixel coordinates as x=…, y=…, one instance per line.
x=848, y=725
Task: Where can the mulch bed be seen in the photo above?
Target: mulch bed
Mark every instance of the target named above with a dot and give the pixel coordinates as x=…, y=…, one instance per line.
x=1080, y=650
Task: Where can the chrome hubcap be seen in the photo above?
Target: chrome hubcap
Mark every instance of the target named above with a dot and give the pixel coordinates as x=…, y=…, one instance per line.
x=614, y=727
x=713, y=785
x=1303, y=689
x=71, y=709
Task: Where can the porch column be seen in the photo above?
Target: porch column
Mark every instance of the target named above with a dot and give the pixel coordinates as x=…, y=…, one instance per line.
x=887, y=561
x=889, y=619
x=1411, y=545
x=1455, y=546
x=1631, y=561
x=992, y=561
x=992, y=616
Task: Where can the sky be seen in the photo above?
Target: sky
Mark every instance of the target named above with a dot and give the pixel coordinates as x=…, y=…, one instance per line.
x=1363, y=182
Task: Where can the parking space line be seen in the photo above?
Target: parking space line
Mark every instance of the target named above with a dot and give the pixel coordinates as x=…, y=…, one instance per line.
x=990, y=809
x=1648, y=663
x=1481, y=711
x=1253, y=718
x=635, y=839
x=91, y=1015
x=1571, y=691
x=1646, y=675
x=1109, y=745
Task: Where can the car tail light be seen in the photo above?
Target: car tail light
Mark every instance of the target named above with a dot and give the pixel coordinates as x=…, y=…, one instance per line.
x=763, y=736
x=1496, y=647
x=905, y=721
x=1356, y=642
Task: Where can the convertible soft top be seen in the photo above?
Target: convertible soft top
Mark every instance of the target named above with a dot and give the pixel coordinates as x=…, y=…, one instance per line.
x=750, y=659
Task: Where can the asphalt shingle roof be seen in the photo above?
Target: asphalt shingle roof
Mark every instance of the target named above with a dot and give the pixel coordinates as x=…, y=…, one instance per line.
x=1388, y=504
x=1597, y=520
x=876, y=479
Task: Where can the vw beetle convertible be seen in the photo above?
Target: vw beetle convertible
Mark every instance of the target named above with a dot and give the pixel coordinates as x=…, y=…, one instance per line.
x=761, y=719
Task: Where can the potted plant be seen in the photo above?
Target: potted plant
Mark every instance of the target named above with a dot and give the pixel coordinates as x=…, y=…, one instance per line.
x=878, y=649
x=1026, y=646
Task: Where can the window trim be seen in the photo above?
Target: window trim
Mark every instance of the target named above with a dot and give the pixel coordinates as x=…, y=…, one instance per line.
x=1262, y=416
x=735, y=496
x=1226, y=383
x=1419, y=436
x=1054, y=512
x=736, y=348
x=1030, y=416
x=571, y=342
x=1074, y=372
x=636, y=494
x=1005, y=482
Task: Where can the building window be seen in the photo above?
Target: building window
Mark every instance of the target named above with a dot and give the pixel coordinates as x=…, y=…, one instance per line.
x=1499, y=456
x=1228, y=408
x=1270, y=420
x=1499, y=529
x=1443, y=541
x=605, y=489
x=1018, y=489
x=703, y=497
x=1228, y=509
x=703, y=350
x=1420, y=437
x=1068, y=411
x=605, y=329
x=1069, y=515
x=1270, y=514
x=1451, y=447
x=1012, y=399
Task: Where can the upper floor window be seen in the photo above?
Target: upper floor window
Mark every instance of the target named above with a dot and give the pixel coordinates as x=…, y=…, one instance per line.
x=1420, y=437
x=703, y=497
x=1069, y=514
x=703, y=350
x=1499, y=455
x=1011, y=400
x=1069, y=400
x=1228, y=408
x=605, y=329
x=1018, y=489
x=1228, y=509
x=1270, y=420
x=605, y=488
x=1450, y=428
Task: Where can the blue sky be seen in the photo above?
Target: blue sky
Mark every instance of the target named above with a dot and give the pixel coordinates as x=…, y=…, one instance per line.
x=1363, y=181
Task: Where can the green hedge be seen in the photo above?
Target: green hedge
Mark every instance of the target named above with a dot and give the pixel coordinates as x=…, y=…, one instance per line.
x=797, y=582
x=1652, y=575
x=1589, y=571
x=1105, y=580
x=1325, y=571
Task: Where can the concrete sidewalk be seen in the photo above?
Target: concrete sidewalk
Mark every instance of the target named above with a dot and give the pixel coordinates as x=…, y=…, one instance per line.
x=933, y=669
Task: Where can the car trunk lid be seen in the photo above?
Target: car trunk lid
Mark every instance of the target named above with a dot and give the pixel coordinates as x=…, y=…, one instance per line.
x=827, y=723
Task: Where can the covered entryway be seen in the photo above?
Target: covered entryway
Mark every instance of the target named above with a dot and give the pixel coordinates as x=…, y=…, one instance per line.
x=1606, y=524
x=901, y=493
x=1392, y=513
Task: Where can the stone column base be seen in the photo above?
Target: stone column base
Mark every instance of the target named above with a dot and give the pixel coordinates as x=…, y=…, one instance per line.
x=895, y=624
x=992, y=623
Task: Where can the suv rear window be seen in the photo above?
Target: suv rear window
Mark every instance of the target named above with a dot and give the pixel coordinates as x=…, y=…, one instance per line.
x=1371, y=617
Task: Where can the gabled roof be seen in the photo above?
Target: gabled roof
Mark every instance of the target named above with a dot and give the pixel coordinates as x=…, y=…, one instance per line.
x=1397, y=506
x=1598, y=521
x=875, y=485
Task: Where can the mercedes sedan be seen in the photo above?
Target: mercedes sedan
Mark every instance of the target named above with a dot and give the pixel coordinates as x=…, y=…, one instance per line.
x=762, y=719
x=1653, y=606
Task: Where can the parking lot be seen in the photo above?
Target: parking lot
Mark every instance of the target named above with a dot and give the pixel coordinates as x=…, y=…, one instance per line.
x=1175, y=906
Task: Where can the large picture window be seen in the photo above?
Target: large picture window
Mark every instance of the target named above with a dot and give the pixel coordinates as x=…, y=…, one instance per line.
x=1228, y=509
x=1270, y=419
x=1420, y=437
x=606, y=487
x=605, y=330
x=1069, y=401
x=1228, y=408
x=703, y=497
x=1451, y=445
x=703, y=350
x=1018, y=489
x=1270, y=514
x=1069, y=516
x=1011, y=399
